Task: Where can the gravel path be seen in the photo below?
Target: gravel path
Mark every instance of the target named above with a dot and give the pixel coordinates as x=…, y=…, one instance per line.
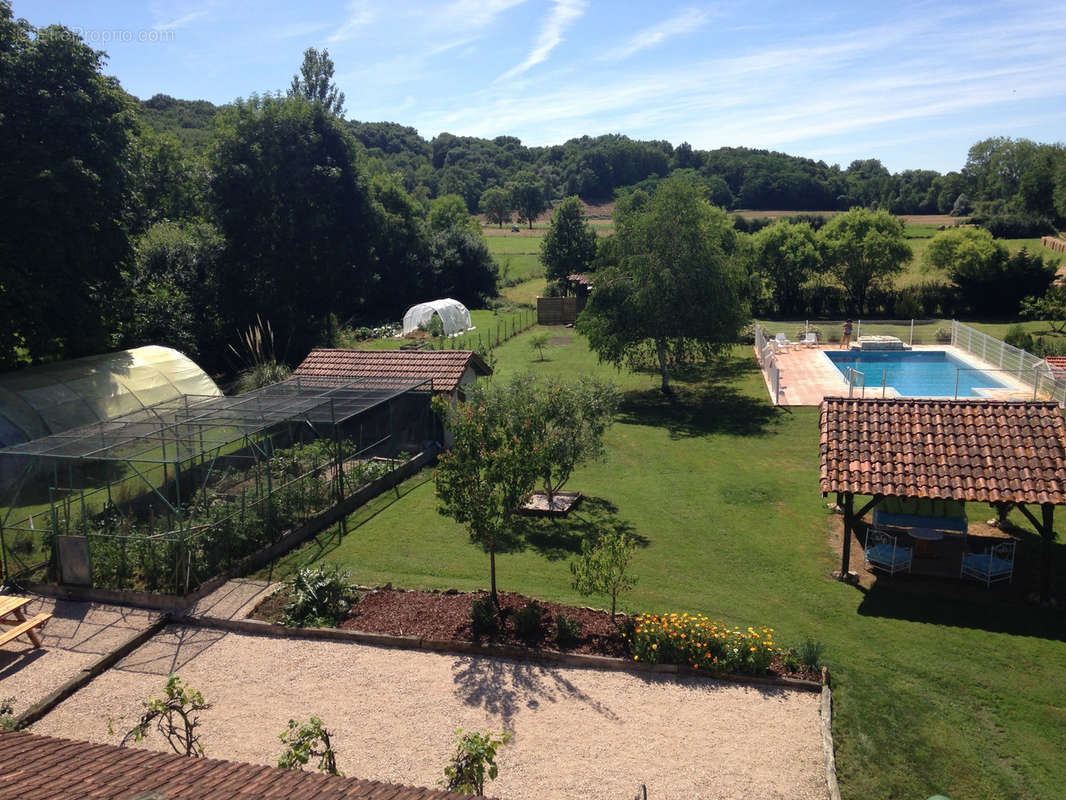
x=78, y=635
x=577, y=732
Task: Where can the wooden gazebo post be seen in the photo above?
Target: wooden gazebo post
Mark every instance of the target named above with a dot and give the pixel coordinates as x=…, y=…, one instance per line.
x=1046, y=528
x=846, y=501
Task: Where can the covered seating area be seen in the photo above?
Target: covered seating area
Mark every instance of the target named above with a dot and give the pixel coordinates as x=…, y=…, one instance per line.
x=915, y=462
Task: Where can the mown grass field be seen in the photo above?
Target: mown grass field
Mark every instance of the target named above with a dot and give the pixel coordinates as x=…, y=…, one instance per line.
x=932, y=695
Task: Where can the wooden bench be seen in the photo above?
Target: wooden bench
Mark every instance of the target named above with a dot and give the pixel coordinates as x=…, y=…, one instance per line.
x=26, y=627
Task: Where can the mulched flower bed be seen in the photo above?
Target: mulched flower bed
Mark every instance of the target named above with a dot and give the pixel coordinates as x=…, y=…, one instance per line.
x=446, y=615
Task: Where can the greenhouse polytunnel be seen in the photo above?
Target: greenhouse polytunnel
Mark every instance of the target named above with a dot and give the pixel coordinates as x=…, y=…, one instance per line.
x=453, y=314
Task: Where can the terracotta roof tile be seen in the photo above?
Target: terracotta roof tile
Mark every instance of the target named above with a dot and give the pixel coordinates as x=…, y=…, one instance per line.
x=43, y=768
x=1056, y=363
x=444, y=367
x=981, y=450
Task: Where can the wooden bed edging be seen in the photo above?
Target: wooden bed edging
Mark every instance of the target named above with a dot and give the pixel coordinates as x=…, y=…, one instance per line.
x=105, y=662
x=260, y=628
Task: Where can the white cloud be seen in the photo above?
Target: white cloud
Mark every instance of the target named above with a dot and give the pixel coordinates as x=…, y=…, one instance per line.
x=564, y=13
x=359, y=15
x=687, y=21
x=180, y=22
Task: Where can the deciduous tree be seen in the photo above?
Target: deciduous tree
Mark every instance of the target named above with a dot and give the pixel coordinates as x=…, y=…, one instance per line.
x=864, y=249
x=527, y=197
x=483, y=477
x=496, y=205
x=676, y=289
x=293, y=203
x=989, y=278
x=315, y=82
x=65, y=131
x=569, y=245
x=787, y=255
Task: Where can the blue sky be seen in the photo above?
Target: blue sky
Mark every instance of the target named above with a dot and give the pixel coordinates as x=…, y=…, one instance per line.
x=911, y=83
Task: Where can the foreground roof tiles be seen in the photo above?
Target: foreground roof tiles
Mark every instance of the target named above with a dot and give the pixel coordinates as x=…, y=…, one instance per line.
x=444, y=367
x=43, y=768
x=983, y=450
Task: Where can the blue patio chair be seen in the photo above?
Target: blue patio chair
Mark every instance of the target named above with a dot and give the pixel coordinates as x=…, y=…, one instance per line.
x=882, y=552
x=995, y=564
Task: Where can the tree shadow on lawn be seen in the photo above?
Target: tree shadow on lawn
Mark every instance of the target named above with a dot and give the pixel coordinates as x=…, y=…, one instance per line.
x=992, y=615
x=703, y=402
x=556, y=538
x=503, y=688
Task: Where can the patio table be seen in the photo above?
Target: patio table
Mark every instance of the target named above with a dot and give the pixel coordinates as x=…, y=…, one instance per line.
x=923, y=537
x=11, y=606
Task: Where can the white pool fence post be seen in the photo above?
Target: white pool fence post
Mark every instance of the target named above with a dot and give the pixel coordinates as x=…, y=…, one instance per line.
x=911, y=342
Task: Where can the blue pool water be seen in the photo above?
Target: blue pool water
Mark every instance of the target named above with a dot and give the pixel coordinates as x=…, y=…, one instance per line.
x=928, y=373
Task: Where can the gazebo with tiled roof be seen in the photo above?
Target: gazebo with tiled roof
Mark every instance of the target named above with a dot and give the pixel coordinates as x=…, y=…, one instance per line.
x=1007, y=454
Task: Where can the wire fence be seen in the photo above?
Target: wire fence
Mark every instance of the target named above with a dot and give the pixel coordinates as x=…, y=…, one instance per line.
x=482, y=341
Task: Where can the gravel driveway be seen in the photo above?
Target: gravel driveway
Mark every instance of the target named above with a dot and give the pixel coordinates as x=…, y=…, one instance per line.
x=577, y=732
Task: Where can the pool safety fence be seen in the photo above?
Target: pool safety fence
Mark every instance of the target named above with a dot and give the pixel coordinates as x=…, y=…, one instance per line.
x=764, y=352
x=1046, y=384
x=831, y=331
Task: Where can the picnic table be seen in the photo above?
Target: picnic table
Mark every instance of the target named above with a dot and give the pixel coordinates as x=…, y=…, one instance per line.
x=12, y=617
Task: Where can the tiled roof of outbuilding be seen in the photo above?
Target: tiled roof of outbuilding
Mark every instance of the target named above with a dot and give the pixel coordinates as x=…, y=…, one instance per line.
x=444, y=367
x=980, y=450
x=43, y=768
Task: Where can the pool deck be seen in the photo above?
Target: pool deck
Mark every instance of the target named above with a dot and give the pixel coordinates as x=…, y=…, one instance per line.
x=807, y=378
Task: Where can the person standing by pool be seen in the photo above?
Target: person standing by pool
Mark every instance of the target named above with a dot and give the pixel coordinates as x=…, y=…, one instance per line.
x=845, y=342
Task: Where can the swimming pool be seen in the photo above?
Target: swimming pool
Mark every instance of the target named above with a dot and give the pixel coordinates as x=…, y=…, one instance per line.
x=914, y=373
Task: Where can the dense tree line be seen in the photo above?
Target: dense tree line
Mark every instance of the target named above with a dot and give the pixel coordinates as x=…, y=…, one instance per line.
x=121, y=228
x=1018, y=179
x=179, y=222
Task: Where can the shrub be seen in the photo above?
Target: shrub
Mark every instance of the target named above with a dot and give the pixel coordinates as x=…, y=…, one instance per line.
x=7, y=714
x=567, y=631
x=174, y=717
x=475, y=757
x=1016, y=225
x=529, y=622
x=483, y=621
x=1018, y=337
x=604, y=566
x=701, y=643
x=306, y=741
x=320, y=596
x=942, y=335
x=810, y=653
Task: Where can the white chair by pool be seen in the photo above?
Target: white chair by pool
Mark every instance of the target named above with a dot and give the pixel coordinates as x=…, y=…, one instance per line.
x=882, y=552
x=995, y=564
x=783, y=344
x=809, y=339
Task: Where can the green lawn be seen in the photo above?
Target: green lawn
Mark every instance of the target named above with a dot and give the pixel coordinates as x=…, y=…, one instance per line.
x=932, y=695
